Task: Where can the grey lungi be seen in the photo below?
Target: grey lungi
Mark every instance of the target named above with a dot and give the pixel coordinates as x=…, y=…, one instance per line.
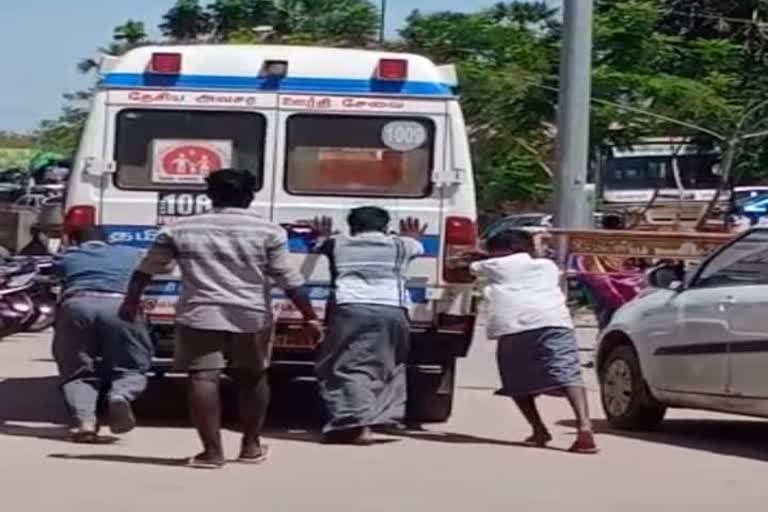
x=361, y=366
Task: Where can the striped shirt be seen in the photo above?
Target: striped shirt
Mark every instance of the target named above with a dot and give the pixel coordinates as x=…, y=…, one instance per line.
x=227, y=258
x=369, y=268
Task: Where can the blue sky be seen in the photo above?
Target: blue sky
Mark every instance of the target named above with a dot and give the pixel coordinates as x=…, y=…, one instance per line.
x=41, y=42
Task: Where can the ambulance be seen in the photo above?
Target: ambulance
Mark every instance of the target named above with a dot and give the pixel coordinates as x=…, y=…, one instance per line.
x=324, y=131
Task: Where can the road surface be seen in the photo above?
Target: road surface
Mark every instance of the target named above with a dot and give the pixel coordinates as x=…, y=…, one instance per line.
x=699, y=461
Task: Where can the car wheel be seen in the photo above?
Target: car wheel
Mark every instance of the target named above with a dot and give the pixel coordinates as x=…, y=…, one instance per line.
x=626, y=400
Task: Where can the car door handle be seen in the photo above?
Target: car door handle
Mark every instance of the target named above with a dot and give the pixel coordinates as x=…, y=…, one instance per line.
x=727, y=301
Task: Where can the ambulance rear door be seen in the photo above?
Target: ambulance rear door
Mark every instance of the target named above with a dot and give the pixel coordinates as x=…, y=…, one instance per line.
x=337, y=153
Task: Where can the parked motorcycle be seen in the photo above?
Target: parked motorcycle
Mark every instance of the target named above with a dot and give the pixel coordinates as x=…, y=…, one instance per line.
x=43, y=295
x=17, y=309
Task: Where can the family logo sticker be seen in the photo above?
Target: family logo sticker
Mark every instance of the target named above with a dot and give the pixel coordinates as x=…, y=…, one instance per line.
x=188, y=161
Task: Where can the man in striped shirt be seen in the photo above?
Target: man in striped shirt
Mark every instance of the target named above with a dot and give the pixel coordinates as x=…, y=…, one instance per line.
x=361, y=363
x=228, y=259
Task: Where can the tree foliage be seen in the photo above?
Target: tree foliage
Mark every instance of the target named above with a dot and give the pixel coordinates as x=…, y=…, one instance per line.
x=186, y=21
x=661, y=67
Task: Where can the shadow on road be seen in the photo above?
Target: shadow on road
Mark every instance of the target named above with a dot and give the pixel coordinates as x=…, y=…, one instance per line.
x=737, y=438
x=125, y=459
x=457, y=438
x=295, y=414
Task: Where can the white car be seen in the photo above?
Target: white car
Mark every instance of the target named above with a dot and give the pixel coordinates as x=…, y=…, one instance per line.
x=697, y=341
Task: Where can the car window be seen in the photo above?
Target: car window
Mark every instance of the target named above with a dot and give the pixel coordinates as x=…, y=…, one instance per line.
x=745, y=262
x=359, y=156
x=176, y=149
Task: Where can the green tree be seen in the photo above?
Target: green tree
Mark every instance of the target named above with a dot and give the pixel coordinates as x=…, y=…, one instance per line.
x=127, y=36
x=329, y=22
x=232, y=16
x=130, y=33
x=186, y=21
x=63, y=133
x=504, y=56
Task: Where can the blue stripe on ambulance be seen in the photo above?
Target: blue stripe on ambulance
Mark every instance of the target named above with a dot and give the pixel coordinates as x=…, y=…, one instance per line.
x=144, y=236
x=298, y=244
x=316, y=291
x=288, y=84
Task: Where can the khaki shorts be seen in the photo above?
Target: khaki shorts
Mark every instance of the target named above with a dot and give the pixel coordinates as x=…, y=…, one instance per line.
x=201, y=350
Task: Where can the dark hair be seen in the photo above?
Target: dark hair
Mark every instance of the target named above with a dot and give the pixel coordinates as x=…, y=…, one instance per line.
x=612, y=221
x=231, y=188
x=513, y=240
x=368, y=218
x=87, y=234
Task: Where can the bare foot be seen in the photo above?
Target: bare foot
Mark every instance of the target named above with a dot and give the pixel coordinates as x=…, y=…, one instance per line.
x=538, y=439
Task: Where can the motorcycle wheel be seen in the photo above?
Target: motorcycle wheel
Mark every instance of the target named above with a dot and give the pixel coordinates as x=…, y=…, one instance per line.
x=40, y=322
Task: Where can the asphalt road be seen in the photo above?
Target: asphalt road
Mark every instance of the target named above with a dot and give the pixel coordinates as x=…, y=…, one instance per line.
x=696, y=461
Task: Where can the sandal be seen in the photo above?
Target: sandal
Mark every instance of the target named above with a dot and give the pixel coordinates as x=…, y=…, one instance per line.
x=538, y=440
x=258, y=459
x=199, y=462
x=584, y=444
x=84, y=436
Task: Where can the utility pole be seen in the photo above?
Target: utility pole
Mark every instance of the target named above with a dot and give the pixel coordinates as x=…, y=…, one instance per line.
x=572, y=210
x=383, y=22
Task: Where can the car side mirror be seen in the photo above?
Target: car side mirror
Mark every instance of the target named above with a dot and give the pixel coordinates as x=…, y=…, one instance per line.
x=668, y=277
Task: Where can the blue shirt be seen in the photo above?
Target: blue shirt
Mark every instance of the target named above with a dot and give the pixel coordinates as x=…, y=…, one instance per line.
x=97, y=267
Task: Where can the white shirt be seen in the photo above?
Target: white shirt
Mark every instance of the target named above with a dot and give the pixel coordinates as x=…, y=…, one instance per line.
x=523, y=294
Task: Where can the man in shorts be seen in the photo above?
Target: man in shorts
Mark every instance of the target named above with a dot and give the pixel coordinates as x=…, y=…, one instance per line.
x=227, y=258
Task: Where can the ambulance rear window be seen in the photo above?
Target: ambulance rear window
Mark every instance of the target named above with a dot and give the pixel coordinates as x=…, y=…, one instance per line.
x=359, y=156
x=176, y=149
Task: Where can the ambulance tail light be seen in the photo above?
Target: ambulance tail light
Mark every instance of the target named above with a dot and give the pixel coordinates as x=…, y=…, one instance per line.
x=165, y=63
x=79, y=217
x=460, y=238
x=392, y=69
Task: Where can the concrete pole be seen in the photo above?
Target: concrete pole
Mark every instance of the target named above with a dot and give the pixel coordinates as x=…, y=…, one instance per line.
x=383, y=23
x=571, y=210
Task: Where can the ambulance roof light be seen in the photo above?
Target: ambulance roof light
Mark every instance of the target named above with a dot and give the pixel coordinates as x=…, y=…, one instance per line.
x=165, y=63
x=392, y=69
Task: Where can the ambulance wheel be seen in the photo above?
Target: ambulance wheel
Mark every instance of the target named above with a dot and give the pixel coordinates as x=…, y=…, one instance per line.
x=430, y=393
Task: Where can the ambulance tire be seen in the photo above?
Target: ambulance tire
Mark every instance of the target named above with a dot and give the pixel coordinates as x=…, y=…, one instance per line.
x=430, y=394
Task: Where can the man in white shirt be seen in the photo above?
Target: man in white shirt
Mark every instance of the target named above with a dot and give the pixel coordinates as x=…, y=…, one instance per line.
x=537, y=347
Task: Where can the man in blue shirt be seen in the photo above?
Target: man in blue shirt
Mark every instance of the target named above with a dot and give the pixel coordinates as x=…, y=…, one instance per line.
x=98, y=354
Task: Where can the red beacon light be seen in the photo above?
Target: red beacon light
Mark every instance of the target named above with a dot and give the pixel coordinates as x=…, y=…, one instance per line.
x=165, y=63
x=392, y=69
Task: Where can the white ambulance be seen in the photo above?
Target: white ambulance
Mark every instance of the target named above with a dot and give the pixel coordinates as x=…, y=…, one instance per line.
x=324, y=130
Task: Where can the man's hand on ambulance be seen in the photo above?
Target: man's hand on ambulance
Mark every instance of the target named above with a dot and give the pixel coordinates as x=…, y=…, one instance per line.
x=412, y=228
x=322, y=227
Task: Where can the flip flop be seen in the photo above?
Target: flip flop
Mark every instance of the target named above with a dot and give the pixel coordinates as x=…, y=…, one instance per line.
x=584, y=445
x=262, y=457
x=84, y=437
x=197, y=463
